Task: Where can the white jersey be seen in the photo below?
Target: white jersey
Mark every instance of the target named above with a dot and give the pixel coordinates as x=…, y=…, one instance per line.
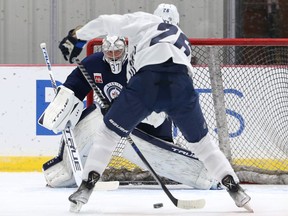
x=150, y=40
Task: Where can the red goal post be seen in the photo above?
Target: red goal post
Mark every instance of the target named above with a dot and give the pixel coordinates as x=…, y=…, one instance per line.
x=247, y=79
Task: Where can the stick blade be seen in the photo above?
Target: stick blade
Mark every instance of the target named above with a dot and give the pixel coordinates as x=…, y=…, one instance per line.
x=191, y=204
x=109, y=185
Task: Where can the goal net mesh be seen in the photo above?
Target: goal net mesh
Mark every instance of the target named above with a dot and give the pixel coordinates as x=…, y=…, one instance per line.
x=254, y=79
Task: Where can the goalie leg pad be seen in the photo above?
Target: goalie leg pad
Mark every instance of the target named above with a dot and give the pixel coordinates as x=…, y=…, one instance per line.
x=60, y=174
x=169, y=161
x=65, y=108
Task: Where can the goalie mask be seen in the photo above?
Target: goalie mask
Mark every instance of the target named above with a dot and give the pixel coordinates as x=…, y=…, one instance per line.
x=115, y=52
x=168, y=12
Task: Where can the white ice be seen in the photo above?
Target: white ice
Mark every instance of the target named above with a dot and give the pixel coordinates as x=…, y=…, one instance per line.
x=24, y=194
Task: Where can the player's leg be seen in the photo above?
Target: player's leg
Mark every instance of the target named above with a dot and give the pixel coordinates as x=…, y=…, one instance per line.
x=125, y=113
x=189, y=118
x=104, y=142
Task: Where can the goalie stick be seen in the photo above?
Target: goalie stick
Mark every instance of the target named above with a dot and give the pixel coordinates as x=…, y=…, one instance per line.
x=68, y=135
x=183, y=204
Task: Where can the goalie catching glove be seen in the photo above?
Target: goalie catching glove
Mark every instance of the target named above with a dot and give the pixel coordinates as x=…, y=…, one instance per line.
x=70, y=46
x=64, y=110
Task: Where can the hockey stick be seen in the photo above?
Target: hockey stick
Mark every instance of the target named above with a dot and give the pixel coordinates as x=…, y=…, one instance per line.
x=68, y=135
x=184, y=204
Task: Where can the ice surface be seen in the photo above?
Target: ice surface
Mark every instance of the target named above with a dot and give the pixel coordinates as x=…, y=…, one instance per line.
x=25, y=194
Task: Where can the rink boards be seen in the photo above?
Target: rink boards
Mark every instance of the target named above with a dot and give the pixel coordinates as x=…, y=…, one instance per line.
x=25, y=93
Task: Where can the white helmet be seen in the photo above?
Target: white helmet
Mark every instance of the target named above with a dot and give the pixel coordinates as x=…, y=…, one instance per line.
x=168, y=12
x=115, y=52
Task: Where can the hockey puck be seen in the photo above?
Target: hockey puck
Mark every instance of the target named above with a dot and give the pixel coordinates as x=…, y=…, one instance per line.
x=158, y=205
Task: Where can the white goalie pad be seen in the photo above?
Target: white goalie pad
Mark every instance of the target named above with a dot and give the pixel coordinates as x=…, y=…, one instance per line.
x=174, y=163
x=60, y=174
x=65, y=109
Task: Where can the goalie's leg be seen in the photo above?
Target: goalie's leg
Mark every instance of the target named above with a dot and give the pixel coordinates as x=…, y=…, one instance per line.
x=58, y=171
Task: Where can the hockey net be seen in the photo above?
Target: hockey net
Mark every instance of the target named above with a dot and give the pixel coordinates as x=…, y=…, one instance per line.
x=243, y=87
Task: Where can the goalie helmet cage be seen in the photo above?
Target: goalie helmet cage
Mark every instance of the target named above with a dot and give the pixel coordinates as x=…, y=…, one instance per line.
x=246, y=108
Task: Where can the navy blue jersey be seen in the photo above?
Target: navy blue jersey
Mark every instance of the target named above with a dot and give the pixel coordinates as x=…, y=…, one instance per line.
x=99, y=70
x=110, y=85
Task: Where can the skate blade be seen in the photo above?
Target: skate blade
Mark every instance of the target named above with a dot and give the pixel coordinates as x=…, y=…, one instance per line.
x=248, y=208
x=75, y=208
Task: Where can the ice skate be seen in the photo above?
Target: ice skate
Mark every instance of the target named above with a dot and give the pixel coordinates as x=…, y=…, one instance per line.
x=237, y=193
x=81, y=196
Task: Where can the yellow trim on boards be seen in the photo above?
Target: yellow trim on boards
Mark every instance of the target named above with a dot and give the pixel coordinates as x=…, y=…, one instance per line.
x=22, y=163
x=263, y=163
x=34, y=163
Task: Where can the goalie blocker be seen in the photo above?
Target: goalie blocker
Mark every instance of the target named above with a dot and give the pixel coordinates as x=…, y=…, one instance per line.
x=168, y=160
x=65, y=109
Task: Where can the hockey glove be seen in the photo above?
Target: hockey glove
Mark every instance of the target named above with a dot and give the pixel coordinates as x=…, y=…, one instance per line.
x=65, y=108
x=71, y=47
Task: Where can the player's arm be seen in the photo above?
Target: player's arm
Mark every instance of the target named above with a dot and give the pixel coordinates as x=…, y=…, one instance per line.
x=116, y=24
x=71, y=46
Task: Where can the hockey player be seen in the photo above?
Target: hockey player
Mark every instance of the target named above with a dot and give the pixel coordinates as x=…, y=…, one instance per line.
x=159, y=67
x=108, y=68
x=190, y=171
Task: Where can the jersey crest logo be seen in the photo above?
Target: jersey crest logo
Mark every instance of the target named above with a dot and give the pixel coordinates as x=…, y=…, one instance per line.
x=98, y=78
x=112, y=90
